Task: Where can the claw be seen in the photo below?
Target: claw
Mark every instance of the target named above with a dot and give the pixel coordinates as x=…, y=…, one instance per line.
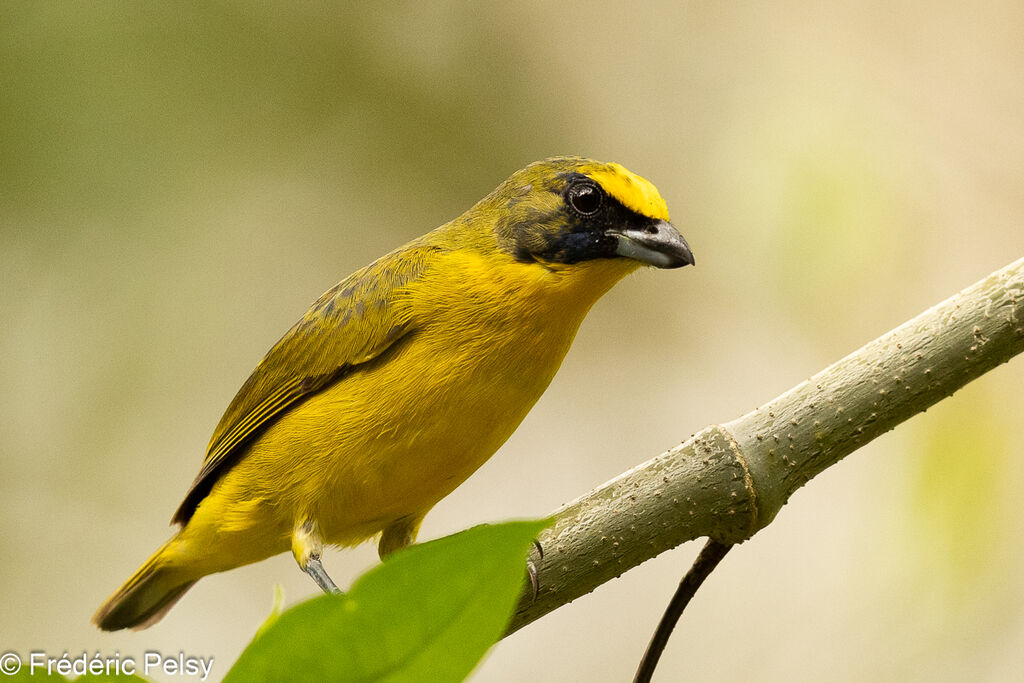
x=531, y=570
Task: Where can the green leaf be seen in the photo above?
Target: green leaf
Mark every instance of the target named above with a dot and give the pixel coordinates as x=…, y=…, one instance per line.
x=430, y=612
x=275, y=611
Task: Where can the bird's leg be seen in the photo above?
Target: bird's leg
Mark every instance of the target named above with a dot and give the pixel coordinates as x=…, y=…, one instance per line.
x=315, y=569
x=399, y=534
x=307, y=546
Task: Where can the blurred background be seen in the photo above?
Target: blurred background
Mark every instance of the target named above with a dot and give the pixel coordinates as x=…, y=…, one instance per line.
x=179, y=181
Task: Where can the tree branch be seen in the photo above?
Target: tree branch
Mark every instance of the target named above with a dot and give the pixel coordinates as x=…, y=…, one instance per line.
x=730, y=480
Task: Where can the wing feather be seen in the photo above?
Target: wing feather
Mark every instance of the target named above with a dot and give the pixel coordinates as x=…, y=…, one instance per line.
x=352, y=323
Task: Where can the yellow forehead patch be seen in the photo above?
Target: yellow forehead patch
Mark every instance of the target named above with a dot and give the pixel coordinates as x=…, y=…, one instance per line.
x=635, y=193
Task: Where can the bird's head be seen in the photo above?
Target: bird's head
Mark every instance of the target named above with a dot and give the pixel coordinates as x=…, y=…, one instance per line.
x=569, y=210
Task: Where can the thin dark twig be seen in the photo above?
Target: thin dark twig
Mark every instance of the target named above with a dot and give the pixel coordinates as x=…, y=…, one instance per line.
x=710, y=555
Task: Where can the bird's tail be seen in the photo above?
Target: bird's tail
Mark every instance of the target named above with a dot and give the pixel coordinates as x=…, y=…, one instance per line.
x=147, y=596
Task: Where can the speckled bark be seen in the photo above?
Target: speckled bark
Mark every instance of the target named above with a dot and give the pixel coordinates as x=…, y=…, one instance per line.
x=730, y=480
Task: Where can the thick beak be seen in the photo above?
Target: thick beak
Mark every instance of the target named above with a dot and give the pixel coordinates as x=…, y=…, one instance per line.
x=658, y=244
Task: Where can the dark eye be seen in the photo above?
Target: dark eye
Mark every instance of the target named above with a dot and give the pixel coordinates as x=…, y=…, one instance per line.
x=584, y=198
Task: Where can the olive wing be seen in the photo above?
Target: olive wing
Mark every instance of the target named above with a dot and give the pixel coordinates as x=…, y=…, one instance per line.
x=352, y=323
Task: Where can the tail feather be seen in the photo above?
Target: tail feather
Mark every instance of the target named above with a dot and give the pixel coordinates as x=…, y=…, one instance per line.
x=145, y=597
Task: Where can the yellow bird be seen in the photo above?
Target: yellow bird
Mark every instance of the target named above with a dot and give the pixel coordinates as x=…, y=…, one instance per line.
x=404, y=378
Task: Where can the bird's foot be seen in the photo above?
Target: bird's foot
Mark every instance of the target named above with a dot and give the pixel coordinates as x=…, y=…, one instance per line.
x=531, y=570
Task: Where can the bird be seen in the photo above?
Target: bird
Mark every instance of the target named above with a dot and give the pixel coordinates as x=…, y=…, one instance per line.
x=404, y=378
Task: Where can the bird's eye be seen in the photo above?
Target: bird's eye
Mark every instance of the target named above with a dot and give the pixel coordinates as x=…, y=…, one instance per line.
x=584, y=198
